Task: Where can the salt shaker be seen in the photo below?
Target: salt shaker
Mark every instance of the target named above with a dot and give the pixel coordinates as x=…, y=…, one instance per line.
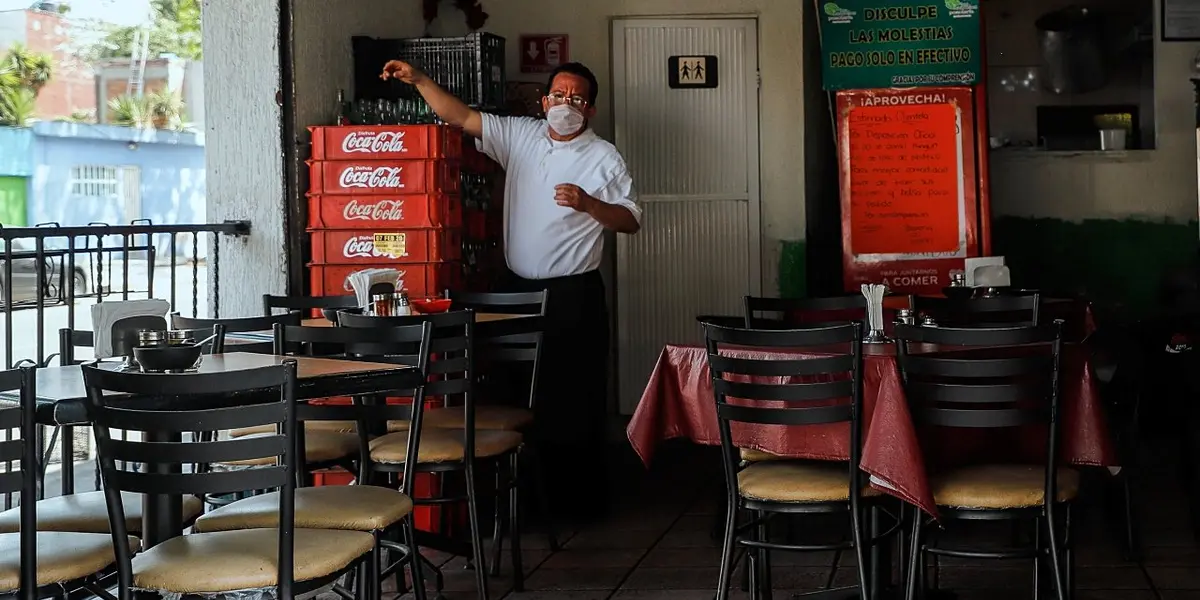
x=905, y=316
x=928, y=321
x=401, y=307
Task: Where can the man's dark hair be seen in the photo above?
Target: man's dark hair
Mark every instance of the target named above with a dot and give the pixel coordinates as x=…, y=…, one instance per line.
x=578, y=70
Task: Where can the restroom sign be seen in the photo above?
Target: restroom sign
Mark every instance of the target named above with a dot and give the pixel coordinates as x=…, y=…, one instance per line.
x=692, y=72
x=543, y=53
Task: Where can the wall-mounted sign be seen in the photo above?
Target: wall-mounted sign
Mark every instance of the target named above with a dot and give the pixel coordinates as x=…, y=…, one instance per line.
x=685, y=72
x=1180, y=20
x=869, y=44
x=909, y=195
x=543, y=53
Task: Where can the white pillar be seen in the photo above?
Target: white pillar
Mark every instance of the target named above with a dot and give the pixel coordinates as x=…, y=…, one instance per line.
x=244, y=153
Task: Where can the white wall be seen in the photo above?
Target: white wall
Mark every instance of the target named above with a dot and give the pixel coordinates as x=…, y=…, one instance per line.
x=323, y=29
x=245, y=168
x=1147, y=184
x=12, y=27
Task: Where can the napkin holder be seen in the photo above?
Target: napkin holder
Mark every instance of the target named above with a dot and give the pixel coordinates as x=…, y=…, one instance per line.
x=382, y=287
x=876, y=336
x=874, y=320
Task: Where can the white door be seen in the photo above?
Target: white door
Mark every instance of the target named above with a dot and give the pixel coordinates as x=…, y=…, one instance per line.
x=131, y=192
x=693, y=154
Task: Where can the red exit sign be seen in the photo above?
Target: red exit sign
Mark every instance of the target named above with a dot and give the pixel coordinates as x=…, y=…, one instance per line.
x=543, y=53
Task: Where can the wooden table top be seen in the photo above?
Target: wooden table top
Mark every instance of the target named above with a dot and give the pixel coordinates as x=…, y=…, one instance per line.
x=57, y=384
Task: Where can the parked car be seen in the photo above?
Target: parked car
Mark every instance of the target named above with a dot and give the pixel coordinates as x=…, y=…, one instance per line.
x=25, y=285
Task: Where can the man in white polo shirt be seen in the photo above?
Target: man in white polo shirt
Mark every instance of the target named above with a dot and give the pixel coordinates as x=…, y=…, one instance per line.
x=564, y=186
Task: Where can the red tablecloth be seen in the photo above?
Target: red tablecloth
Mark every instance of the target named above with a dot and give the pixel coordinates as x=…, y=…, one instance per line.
x=678, y=403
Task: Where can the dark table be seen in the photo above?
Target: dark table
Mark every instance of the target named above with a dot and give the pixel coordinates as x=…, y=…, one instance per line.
x=61, y=401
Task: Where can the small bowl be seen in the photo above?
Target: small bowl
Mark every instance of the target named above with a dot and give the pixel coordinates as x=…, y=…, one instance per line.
x=431, y=306
x=167, y=358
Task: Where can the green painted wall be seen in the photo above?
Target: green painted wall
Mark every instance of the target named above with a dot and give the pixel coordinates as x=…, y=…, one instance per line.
x=793, y=270
x=13, y=192
x=1116, y=263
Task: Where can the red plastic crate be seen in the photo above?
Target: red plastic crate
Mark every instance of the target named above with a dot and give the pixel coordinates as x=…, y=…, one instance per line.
x=374, y=177
x=399, y=211
x=418, y=280
x=338, y=247
x=382, y=142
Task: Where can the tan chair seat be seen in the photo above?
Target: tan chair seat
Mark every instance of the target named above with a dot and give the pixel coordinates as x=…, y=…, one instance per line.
x=88, y=513
x=798, y=481
x=319, y=447
x=1000, y=486
x=507, y=418
x=61, y=557
x=443, y=445
x=334, y=426
x=351, y=507
x=752, y=455
x=243, y=560
x=394, y=426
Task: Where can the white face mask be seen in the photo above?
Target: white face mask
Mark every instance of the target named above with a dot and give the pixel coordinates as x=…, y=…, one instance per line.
x=564, y=119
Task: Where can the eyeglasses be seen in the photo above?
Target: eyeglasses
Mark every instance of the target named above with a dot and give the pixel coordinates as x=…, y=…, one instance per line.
x=557, y=98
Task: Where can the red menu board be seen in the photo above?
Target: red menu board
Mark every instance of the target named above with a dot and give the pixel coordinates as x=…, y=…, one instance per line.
x=904, y=179
x=909, y=189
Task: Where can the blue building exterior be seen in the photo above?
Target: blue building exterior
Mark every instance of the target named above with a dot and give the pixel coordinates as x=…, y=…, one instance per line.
x=159, y=175
x=76, y=174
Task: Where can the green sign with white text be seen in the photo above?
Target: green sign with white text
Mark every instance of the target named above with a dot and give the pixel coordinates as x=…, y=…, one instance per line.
x=869, y=44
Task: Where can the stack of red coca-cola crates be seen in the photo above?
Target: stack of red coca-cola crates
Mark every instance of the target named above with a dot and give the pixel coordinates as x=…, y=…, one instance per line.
x=392, y=196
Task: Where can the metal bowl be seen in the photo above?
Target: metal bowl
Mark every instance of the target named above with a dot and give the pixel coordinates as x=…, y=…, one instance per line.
x=168, y=358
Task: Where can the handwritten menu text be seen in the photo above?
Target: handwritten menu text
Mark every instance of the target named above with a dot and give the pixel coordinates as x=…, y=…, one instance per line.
x=904, y=180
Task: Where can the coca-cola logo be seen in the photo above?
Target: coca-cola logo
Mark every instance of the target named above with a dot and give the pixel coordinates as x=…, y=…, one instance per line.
x=374, y=141
x=371, y=177
x=360, y=246
x=380, y=210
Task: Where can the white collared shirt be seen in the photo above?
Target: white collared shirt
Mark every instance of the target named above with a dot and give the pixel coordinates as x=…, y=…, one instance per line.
x=541, y=238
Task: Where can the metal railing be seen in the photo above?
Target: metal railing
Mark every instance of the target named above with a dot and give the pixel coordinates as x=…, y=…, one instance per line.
x=52, y=269
x=50, y=276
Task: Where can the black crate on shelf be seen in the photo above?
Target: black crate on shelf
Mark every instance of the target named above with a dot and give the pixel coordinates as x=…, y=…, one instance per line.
x=471, y=67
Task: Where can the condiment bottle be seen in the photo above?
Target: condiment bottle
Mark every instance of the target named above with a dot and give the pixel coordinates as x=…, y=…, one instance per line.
x=381, y=305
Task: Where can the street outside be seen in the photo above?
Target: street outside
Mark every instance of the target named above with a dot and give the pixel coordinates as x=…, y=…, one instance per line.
x=25, y=321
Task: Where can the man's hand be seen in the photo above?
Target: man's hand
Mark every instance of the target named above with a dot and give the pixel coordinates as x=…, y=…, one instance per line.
x=573, y=196
x=611, y=216
x=398, y=69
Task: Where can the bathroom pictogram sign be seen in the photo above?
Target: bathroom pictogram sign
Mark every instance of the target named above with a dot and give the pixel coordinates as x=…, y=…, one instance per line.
x=692, y=72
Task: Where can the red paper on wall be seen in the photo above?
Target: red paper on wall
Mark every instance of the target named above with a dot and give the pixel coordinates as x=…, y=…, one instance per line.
x=904, y=179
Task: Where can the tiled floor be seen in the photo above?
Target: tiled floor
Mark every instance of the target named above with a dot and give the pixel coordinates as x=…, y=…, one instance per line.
x=657, y=545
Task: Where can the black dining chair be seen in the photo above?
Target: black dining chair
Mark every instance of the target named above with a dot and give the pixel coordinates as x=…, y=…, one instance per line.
x=33, y=563
x=305, y=304
x=450, y=450
x=1009, y=310
x=291, y=560
x=992, y=379
x=787, y=313
x=262, y=325
x=808, y=390
x=379, y=511
x=84, y=512
x=508, y=367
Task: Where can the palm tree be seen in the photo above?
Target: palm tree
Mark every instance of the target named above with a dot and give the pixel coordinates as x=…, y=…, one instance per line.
x=131, y=111
x=34, y=68
x=18, y=105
